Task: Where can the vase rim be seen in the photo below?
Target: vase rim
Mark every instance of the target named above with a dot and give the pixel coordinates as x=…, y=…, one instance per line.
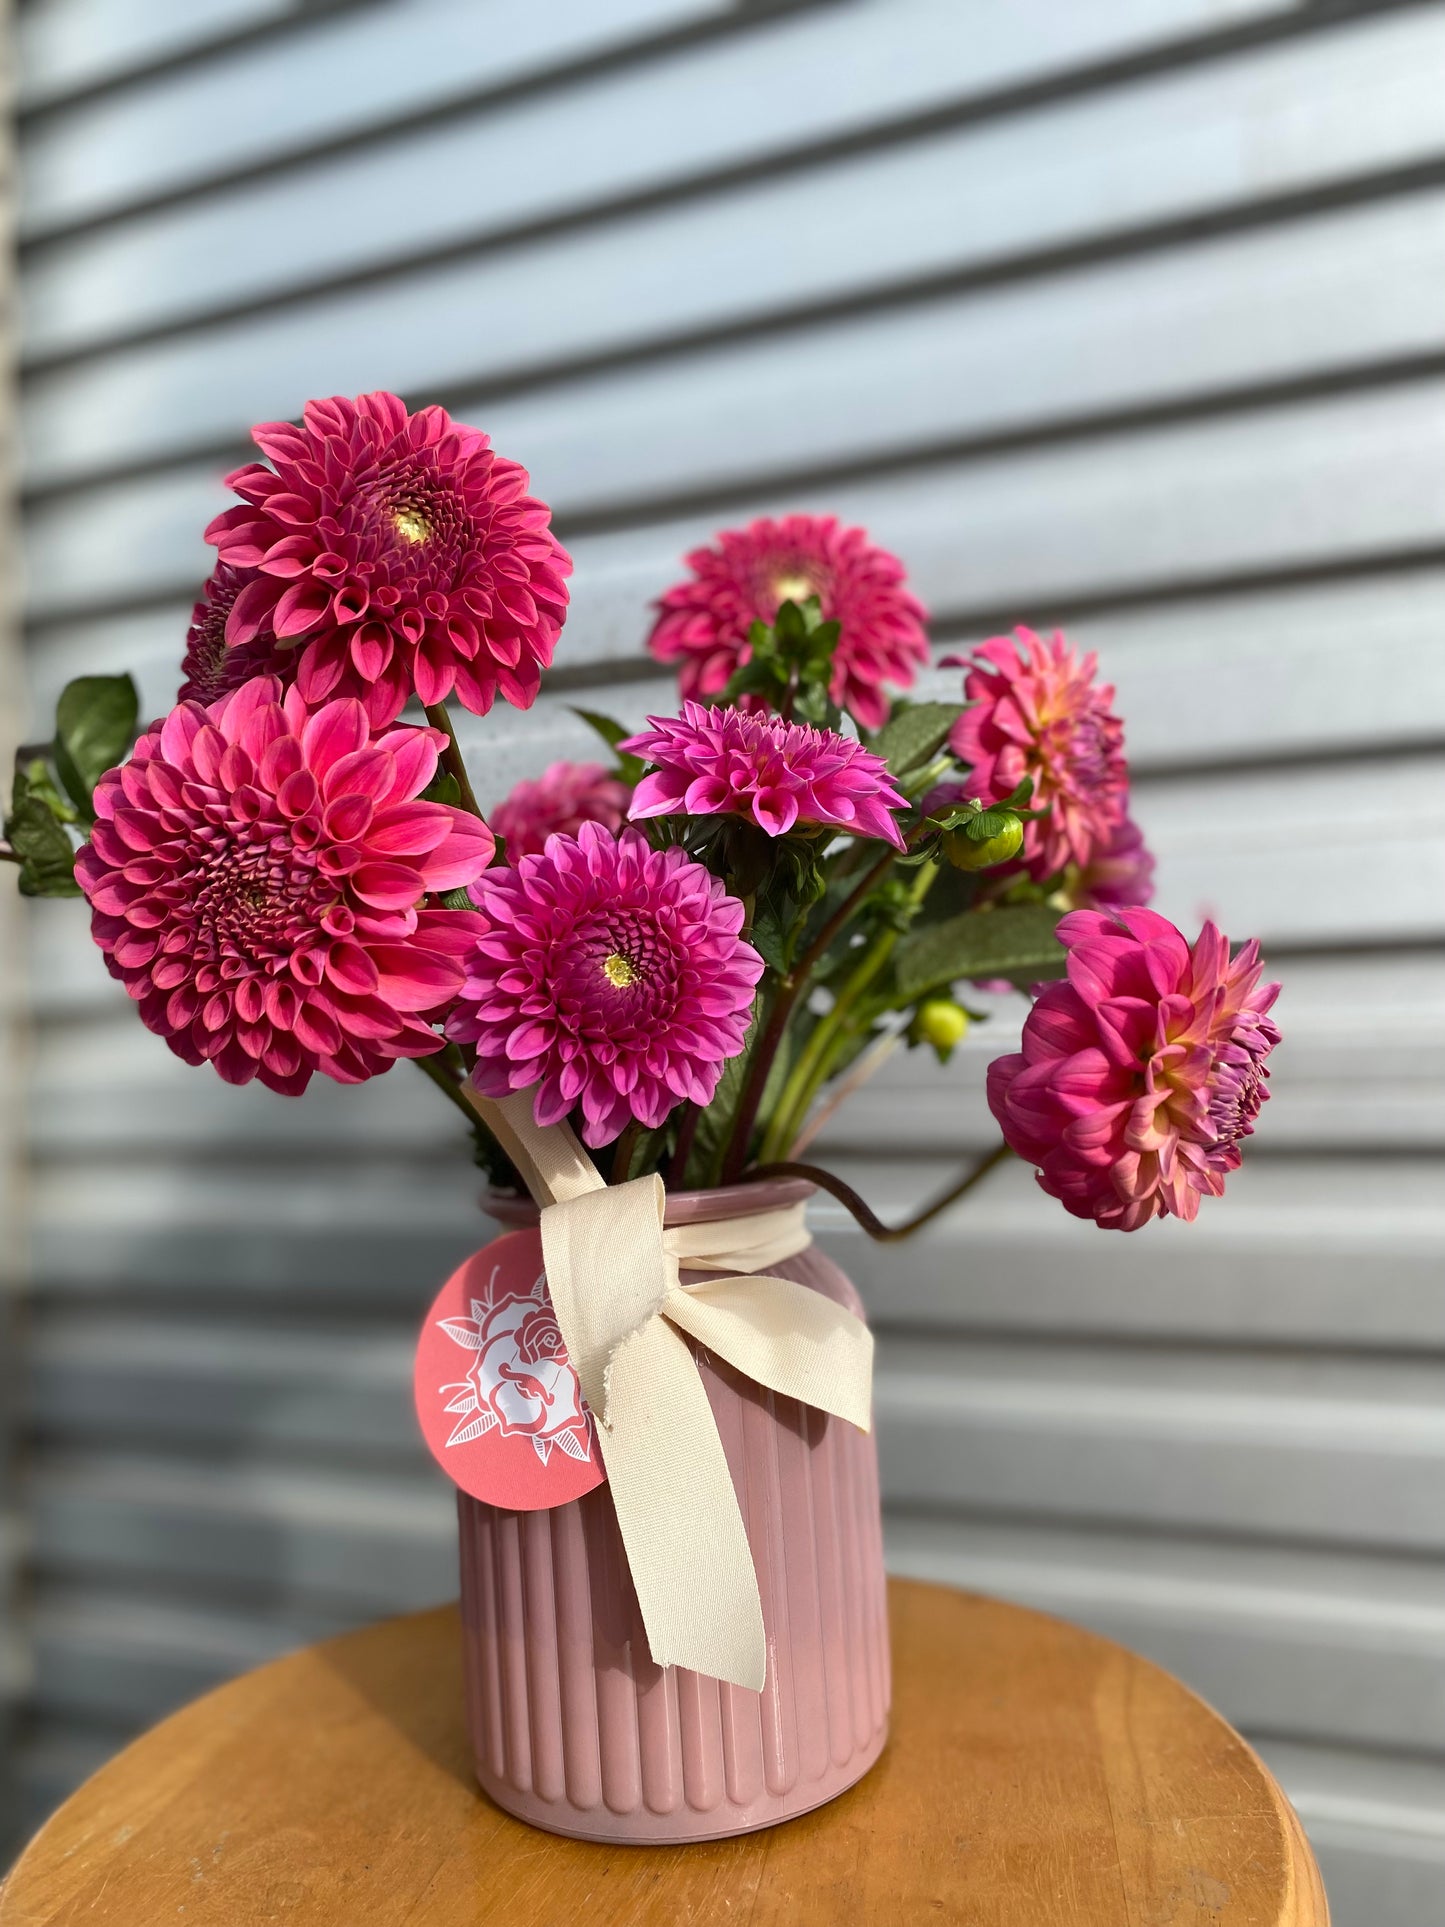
x=705, y=1206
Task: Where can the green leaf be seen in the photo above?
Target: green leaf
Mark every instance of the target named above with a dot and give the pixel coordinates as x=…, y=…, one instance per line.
x=915, y=735
x=629, y=767
x=94, y=728
x=443, y=788
x=769, y=938
x=1017, y=943
x=42, y=843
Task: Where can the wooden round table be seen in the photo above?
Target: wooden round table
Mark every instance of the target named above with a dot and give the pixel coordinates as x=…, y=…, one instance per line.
x=1036, y=1777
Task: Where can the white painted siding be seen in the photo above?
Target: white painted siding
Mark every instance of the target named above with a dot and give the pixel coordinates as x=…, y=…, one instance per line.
x=1127, y=315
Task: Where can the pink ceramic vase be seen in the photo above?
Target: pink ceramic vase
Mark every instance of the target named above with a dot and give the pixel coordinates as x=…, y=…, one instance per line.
x=573, y=1727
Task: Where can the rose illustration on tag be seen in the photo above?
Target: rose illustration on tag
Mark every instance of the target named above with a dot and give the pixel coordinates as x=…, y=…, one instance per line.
x=522, y=1380
x=497, y=1396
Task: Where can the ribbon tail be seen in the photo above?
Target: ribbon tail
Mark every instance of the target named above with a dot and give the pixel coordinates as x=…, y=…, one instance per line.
x=686, y=1544
x=783, y=1335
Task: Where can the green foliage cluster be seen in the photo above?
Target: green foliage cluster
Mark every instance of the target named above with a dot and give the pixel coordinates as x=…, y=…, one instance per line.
x=51, y=796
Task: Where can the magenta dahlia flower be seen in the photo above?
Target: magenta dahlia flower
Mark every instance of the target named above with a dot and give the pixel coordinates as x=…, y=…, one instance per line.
x=1036, y=711
x=561, y=800
x=210, y=667
x=401, y=554
x=721, y=762
x=703, y=623
x=608, y=975
x=1140, y=1071
x=256, y=875
x=1121, y=874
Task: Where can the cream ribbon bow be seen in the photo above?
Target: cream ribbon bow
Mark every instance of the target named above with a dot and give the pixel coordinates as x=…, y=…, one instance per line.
x=613, y=1271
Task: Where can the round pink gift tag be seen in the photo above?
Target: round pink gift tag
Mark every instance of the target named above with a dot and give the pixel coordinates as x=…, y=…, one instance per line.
x=499, y=1403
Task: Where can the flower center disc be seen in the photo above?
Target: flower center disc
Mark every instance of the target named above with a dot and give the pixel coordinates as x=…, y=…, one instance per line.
x=411, y=525
x=793, y=588
x=619, y=971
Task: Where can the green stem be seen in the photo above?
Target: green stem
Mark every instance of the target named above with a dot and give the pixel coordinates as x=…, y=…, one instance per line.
x=815, y=1061
x=451, y=756
x=790, y=988
x=622, y=1155
x=686, y=1132
x=866, y=1218
x=450, y=1088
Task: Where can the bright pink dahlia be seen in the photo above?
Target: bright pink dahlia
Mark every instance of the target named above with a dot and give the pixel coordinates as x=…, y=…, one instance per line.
x=400, y=553
x=1037, y=712
x=716, y=762
x=562, y=799
x=210, y=667
x=704, y=623
x=608, y=975
x=255, y=877
x=1141, y=1071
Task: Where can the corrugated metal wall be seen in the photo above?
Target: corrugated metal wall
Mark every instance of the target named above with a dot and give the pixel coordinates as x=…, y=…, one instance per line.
x=1127, y=314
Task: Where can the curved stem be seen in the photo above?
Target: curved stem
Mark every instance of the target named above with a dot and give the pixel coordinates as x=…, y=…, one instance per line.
x=862, y=1213
x=451, y=756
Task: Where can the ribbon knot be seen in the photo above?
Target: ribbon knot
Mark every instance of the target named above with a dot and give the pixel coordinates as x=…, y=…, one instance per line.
x=615, y=1275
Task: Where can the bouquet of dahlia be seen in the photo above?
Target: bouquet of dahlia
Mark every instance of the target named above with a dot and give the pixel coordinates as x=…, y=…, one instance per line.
x=693, y=951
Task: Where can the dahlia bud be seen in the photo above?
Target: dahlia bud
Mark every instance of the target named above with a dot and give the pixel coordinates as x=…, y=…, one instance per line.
x=939, y=1022
x=967, y=852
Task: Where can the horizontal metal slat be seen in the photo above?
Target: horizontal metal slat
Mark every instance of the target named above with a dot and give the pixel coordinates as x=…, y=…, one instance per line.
x=1282, y=1260
x=67, y=47
x=124, y=1657
x=1332, y=1452
x=1277, y=121
x=1347, y=480
x=730, y=107
x=360, y=1542
x=1293, y=672
x=279, y=97
x=1331, y=1646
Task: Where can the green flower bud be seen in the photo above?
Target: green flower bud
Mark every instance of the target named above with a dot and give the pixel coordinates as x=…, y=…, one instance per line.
x=965, y=854
x=939, y=1022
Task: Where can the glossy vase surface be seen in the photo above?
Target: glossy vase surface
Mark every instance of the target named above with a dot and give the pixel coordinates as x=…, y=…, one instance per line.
x=575, y=1730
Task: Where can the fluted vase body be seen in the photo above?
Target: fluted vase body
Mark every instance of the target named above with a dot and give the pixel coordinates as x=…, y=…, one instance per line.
x=573, y=1727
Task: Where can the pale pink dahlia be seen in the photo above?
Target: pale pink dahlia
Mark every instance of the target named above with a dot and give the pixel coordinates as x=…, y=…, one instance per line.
x=1140, y=1071
x=610, y=976
x=256, y=875
x=211, y=667
x=401, y=553
x=704, y=623
x=563, y=798
x=716, y=762
x=1036, y=711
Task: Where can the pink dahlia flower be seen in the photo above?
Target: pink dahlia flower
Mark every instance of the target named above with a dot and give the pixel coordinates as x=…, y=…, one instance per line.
x=1037, y=712
x=608, y=975
x=401, y=553
x=1121, y=874
x=210, y=667
x=562, y=799
x=721, y=762
x=255, y=876
x=1141, y=1071
x=704, y=623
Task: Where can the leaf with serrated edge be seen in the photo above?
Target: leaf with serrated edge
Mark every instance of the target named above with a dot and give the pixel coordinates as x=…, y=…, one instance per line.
x=1017, y=942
